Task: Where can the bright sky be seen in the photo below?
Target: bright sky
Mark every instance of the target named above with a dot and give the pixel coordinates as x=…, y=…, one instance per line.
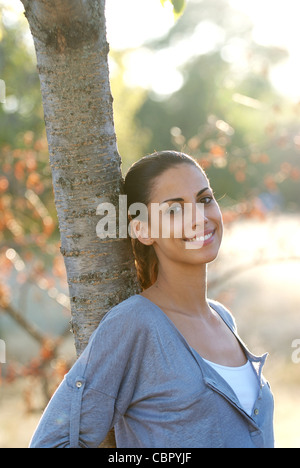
x=131, y=22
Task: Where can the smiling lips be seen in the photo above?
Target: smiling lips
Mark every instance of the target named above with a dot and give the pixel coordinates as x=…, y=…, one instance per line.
x=204, y=238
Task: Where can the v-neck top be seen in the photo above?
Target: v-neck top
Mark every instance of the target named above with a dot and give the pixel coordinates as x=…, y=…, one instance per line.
x=139, y=375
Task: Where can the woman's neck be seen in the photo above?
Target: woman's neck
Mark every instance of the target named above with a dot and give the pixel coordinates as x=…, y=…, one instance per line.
x=184, y=291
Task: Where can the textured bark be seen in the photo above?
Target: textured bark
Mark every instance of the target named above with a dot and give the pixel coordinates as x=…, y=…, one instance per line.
x=71, y=49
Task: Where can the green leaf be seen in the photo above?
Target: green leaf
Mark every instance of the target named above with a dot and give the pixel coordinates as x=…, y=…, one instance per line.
x=179, y=6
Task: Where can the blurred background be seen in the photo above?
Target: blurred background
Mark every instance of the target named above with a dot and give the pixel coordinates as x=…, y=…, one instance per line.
x=220, y=83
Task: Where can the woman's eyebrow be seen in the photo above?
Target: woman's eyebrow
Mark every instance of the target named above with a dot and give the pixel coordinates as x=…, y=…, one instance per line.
x=181, y=199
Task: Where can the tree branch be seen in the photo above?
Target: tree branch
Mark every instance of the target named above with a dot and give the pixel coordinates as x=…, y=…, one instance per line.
x=36, y=334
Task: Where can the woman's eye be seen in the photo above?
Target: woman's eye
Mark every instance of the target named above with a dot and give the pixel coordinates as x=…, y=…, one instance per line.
x=174, y=209
x=206, y=200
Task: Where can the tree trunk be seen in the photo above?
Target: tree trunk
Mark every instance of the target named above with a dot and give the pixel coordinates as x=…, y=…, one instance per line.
x=71, y=49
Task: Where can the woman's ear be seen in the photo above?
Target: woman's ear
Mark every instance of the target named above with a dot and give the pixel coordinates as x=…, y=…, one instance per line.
x=139, y=230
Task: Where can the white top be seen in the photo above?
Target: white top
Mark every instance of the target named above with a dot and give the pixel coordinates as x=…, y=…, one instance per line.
x=243, y=382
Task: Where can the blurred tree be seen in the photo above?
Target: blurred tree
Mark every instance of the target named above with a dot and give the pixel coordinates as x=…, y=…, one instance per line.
x=22, y=111
x=26, y=194
x=28, y=222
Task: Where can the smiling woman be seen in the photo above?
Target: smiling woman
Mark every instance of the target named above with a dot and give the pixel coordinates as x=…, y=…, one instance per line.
x=166, y=367
x=166, y=178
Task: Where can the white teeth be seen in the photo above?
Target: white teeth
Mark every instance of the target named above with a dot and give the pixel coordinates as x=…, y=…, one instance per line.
x=200, y=239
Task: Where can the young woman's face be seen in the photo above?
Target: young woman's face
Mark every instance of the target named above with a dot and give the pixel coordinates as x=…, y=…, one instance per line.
x=188, y=226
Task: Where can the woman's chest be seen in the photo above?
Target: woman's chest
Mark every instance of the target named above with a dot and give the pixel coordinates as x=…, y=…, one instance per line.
x=213, y=340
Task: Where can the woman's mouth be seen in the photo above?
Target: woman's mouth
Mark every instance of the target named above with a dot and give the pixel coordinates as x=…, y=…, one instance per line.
x=201, y=239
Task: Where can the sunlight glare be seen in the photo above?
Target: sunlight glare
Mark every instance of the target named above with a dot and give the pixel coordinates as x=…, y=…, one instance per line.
x=276, y=24
x=132, y=22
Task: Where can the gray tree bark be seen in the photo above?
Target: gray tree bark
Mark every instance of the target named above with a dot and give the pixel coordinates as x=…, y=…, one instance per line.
x=71, y=48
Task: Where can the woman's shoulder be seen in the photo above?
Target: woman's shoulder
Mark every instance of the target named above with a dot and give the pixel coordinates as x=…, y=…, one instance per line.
x=225, y=313
x=135, y=310
x=131, y=320
x=138, y=312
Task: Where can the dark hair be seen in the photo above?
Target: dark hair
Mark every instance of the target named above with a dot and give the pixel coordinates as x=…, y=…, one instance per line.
x=139, y=182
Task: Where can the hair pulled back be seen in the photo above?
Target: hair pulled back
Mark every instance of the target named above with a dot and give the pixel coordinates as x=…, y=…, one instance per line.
x=139, y=182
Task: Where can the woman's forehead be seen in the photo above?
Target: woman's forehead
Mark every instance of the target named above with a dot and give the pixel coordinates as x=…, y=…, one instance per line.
x=181, y=181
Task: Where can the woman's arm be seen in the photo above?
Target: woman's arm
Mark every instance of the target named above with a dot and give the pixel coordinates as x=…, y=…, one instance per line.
x=99, y=387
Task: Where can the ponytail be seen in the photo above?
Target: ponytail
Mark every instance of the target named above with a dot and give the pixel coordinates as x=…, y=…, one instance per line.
x=146, y=263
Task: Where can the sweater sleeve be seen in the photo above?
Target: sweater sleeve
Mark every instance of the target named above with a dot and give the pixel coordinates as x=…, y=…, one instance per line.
x=99, y=387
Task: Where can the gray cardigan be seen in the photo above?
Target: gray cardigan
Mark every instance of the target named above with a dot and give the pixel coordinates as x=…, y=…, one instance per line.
x=139, y=375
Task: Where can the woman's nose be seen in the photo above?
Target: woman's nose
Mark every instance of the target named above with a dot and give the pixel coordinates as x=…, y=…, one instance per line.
x=194, y=219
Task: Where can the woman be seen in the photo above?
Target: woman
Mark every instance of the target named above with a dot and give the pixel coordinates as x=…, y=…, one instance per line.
x=166, y=367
